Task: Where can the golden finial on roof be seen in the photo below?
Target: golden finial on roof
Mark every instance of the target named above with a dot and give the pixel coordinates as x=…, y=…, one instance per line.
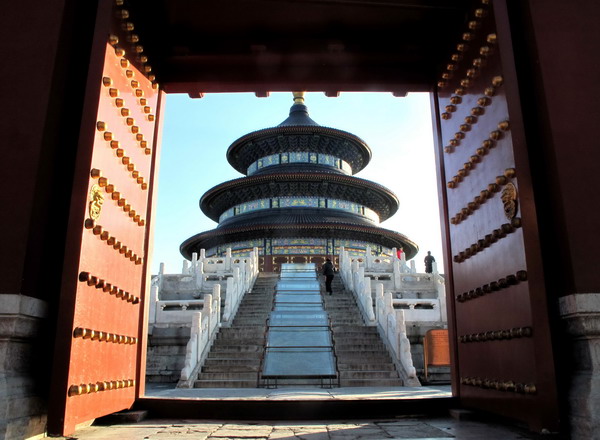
x=298, y=97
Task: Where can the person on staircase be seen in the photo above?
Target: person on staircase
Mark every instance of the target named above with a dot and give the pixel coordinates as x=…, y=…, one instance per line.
x=328, y=270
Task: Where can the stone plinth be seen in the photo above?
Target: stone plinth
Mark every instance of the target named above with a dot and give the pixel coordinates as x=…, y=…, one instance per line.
x=22, y=409
x=581, y=319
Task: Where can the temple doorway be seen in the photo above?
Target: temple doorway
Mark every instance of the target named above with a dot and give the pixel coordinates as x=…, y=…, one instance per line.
x=398, y=130
x=498, y=315
x=399, y=134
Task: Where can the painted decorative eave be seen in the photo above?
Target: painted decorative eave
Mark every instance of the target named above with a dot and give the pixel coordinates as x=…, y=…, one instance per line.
x=233, y=192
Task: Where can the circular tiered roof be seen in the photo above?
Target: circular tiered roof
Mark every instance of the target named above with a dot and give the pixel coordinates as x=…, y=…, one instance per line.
x=311, y=196
x=299, y=133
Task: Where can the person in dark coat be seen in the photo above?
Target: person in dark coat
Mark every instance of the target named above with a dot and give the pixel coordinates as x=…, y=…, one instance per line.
x=429, y=262
x=328, y=271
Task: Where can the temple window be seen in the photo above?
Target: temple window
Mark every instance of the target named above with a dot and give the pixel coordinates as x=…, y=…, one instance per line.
x=299, y=157
x=300, y=202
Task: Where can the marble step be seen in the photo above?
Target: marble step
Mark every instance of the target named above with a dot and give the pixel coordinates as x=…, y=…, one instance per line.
x=354, y=328
x=229, y=362
x=249, y=322
x=257, y=309
x=359, y=347
x=365, y=355
x=371, y=383
x=257, y=301
x=244, y=376
x=227, y=368
x=233, y=355
x=361, y=366
x=372, y=374
x=340, y=336
x=233, y=383
x=354, y=341
x=241, y=348
x=251, y=316
x=239, y=341
x=345, y=321
x=232, y=332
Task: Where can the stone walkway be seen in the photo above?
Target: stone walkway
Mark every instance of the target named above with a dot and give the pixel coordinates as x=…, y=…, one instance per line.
x=167, y=391
x=400, y=428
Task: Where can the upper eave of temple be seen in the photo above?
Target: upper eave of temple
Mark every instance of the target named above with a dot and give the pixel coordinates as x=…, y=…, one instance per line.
x=298, y=133
x=233, y=192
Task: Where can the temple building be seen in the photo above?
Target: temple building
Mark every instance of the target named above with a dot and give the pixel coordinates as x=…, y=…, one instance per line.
x=299, y=200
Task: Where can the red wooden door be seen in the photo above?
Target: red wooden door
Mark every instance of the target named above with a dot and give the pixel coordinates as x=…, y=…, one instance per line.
x=100, y=341
x=502, y=357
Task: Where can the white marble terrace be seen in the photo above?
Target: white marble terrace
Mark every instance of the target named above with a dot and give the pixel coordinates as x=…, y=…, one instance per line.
x=392, y=295
x=193, y=299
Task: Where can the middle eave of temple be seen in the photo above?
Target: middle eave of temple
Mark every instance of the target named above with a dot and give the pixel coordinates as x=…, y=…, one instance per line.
x=228, y=194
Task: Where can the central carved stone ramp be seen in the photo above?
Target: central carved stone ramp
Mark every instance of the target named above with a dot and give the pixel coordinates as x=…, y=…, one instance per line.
x=234, y=358
x=299, y=349
x=363, y=359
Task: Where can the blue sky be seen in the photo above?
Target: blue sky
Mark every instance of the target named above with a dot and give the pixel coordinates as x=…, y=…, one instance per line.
x=197, y=133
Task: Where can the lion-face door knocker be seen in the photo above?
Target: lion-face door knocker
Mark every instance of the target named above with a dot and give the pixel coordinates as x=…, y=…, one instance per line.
x=96, y=201
x=509, y=200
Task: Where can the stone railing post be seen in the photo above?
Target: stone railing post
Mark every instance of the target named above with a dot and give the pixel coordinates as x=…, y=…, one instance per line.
x=216, y=292
x=230, y=287
x=194, y=262
x=388, y=303
x=348, y=268
x=192, y=347
x=237, y=281
x=207, y=308
x=440, y=288
x=397, y=273
x=368, y=299
x=378, y=303
x=228, y=260
x=152, y=306
x=161, y=272
x=348, y=279
x=404, y=354
x=256, y=260
x=199, y=274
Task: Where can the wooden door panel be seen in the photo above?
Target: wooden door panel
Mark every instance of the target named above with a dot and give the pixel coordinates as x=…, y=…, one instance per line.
x=101, y=326
x=502, y=353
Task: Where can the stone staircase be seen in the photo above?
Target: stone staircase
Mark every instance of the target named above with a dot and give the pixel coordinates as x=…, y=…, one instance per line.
x=234, y=359
x=363, y=359
x=166, y=354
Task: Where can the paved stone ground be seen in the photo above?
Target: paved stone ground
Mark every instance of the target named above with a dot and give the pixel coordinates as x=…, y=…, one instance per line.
x=400, y=428
x=168, y=391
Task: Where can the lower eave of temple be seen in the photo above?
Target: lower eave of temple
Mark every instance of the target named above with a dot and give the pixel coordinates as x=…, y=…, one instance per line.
x=222, y=236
